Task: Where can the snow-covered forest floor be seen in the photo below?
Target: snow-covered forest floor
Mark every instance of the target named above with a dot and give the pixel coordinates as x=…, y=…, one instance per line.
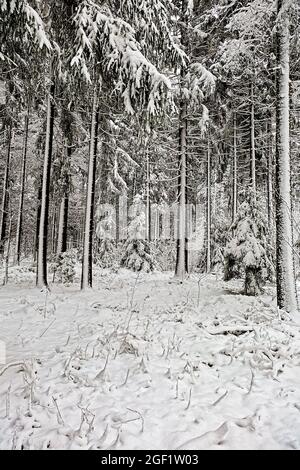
x=142, y=362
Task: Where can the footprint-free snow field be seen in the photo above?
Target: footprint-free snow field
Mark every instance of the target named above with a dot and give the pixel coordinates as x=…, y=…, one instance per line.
x=143, y=362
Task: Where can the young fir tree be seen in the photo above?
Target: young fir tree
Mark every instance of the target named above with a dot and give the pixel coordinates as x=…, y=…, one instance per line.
x=105, y=231
x=64, y=266
x=137, y=254
x=249, y=250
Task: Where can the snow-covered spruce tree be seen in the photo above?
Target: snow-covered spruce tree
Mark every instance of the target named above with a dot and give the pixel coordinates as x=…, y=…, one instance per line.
x=64, y=266
x=219, y=238
x=62, y=35
x=137, y=254
x=108, y=44
x=20, y=24
x=22, y=35
x=249, y=250
x=244, y=65
x=195, y=82
x=105, y=255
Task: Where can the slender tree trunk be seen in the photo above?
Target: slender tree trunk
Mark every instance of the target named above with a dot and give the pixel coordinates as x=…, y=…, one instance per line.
x=117, y=219
x=5, y=281
x=148, y=203
x=270, y=174
x=23, y=180
x=44, y=212
x=208, y=208
x=53, y=230
x=66, y=221
x=61, y=219
x=63, y=225
x=156, y=223
x=92, y=223
x=62, y=238
x=181, y=261
x=5, y=196
x=235, y=192
x=286, y=289
x=181, y=269
x=62, y=235
x=82, y=212
x=38, y=215
x=252, y=141
x=87, y=261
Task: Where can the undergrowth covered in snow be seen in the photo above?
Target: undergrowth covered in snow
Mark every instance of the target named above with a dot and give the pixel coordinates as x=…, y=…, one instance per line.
x=142, y=362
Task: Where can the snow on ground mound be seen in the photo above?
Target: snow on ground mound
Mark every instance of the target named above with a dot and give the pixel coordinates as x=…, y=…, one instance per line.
x=142, y=362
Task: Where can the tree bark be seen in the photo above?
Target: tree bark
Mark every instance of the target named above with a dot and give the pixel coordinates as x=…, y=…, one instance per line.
x=5, y=196
x=252, y=281
x=38, y=213
x=23, y=180
x=148, y=202
x=44, y=211
x=62, y=236
x=182, y=261
x=117, y=199
x=252, y=141
x=270, y=174
x=63, y=225
x=234, y=176
x=208, y=208
x=87, y=261
x=5, y=281
x=181, y=268
x=286, y=288
x=53, y=225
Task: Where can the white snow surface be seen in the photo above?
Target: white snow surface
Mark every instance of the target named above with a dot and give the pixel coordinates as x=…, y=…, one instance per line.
x=143, y=362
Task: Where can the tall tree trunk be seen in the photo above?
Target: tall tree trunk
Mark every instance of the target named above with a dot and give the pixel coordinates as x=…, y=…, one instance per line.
x=23, y=180
x=63, y=225
x=286, y=289
x=62, y=236
x=234, y=176
x=148, y=202
x=38, y=213
x=53, y=230
x=5, y=281
x=61, y=217
x=5, y=196
x=117, y=199
x=252, y=141
x=181, y=268
x=44, y=212
x=87, y=261
x=270, y=173
x=182, y=261
x=156, y=223
x=82, y=212
x=208, y=208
